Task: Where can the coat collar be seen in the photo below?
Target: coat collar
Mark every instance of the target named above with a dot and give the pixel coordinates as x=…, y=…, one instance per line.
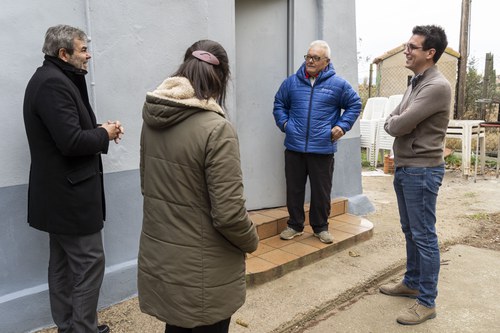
x=325, y=73
x=179, y=90
x=76, y=75
x=64, y=66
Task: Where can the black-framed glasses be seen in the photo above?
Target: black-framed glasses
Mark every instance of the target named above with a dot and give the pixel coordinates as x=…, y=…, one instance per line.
x=411, y=47
x=308, y=58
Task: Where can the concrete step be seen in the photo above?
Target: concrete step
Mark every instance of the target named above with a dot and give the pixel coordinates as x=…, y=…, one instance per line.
x=276, y=257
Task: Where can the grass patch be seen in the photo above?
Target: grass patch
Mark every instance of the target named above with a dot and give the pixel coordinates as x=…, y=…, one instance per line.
x=479, y=216
x=453, y=161
x=364, y=161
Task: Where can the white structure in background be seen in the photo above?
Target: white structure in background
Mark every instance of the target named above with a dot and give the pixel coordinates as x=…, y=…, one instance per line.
x=372, y=114
x=467, y=131
x=383, y=140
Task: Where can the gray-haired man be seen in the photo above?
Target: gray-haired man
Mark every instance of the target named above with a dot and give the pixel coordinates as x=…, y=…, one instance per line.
x=66, y=194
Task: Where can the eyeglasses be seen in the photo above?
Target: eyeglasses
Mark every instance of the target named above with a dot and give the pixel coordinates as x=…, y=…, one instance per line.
x=308, y=58
x=410, y=47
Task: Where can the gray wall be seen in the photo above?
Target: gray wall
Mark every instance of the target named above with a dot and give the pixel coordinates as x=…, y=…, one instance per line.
x=261, y=66
x=135, y=45
x=339, y=29
x=262, y=52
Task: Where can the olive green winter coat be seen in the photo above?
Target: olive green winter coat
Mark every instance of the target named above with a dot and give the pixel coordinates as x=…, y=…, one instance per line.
x=196, y=230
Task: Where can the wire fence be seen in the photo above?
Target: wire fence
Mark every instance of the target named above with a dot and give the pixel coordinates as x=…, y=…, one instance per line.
x=390, y=78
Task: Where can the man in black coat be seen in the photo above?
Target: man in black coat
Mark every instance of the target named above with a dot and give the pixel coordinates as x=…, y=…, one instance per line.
x=66, y=194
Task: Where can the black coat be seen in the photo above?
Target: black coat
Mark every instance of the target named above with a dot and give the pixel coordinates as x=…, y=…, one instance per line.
x=66, y=194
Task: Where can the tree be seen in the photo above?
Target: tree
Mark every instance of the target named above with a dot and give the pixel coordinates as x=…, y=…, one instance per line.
x=480, y=89
x=473, y=89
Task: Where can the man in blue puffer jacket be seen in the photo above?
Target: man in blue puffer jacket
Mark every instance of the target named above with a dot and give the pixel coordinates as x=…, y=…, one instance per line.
x=307, y=108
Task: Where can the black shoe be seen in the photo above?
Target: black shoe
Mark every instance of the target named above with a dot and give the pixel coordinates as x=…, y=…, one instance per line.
x=103, y=329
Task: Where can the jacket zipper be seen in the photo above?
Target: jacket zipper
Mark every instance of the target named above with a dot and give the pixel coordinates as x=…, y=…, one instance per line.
x=309, y=117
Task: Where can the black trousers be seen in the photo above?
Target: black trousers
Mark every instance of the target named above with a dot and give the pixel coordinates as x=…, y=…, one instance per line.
x=319, y=169
x=219, y=327
x=76, y=271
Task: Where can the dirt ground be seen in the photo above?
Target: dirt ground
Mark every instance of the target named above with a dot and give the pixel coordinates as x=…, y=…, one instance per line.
x=487, y=234
x=468, y=213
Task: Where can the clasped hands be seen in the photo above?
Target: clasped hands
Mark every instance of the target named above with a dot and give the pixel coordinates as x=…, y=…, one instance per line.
x=115, y=130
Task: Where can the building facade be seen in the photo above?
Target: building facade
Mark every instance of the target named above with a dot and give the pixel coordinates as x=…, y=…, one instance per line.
x=134, y=46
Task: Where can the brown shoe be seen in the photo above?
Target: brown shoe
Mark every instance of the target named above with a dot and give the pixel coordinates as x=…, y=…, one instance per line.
x=399, y=289
x=416, y=314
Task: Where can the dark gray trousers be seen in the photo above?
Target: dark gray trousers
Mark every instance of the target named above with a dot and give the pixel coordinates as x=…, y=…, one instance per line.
x=76, y=271
x=319, y=169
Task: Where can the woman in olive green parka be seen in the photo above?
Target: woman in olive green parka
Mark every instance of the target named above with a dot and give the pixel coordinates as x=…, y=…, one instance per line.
x=196, y=230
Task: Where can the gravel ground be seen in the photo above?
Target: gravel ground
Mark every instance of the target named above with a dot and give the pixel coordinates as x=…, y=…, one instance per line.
x=468, y=213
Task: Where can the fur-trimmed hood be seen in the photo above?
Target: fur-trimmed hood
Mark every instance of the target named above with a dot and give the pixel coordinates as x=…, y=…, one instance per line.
x=173, y=101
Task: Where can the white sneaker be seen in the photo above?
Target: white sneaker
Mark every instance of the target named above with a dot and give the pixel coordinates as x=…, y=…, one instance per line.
x=290, y=233
x=324, y=237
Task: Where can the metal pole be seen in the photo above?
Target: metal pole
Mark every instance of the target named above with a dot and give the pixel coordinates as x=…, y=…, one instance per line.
x=290, y=37
x=462, y=62
x=93, y=99
x=370, y=78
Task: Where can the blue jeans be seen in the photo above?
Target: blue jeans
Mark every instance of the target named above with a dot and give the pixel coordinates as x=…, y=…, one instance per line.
x=416, y=192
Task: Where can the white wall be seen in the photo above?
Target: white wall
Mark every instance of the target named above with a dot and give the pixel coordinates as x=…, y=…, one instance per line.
x=261, y=66
x=339, y=30
x=262, y=51
x=135, y=45
x=23, y=25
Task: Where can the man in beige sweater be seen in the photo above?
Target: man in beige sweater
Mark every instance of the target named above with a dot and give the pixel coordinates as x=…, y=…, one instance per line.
x=419, y=126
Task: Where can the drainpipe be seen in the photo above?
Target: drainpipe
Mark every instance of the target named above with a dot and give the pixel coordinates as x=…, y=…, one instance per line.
x=290, y=37
x=91, y=63
x=320, y=5
x=370, y=79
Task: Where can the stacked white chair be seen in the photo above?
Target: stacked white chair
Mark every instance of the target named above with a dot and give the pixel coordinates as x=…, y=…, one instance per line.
x=383, y=140
x=372, y=114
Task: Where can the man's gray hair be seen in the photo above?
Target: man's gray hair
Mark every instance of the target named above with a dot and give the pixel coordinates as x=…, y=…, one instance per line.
x=323, y=45
x=61, y=37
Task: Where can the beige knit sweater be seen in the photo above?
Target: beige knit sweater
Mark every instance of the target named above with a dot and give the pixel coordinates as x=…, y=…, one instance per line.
x=420, y=121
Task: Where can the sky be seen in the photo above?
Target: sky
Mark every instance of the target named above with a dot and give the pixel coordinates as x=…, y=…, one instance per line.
x=385, y=24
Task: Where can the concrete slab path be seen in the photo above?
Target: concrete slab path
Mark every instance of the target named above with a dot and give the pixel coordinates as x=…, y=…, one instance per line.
x=468, y=300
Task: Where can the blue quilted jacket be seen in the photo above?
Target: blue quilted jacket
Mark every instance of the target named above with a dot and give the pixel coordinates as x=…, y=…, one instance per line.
x=310, y=112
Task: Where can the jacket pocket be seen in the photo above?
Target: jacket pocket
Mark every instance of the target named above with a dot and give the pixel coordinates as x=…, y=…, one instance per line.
x=80, y=175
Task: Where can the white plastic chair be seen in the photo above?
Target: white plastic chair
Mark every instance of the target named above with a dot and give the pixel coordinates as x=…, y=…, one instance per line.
x=383, y=140
x=372, y=113
x=466, y=130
